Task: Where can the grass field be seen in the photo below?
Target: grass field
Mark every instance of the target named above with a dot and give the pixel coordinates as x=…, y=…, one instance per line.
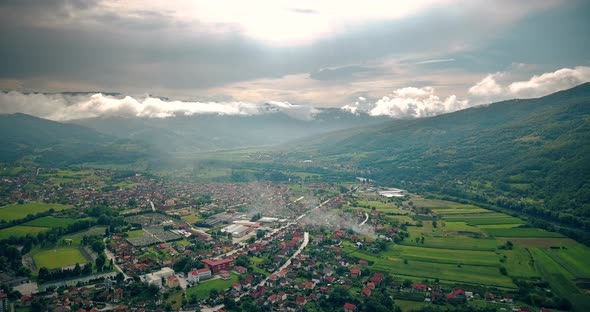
x=52, y=222
x=560, y=279
x=135, y=234
x=68, y=176
x=437, y=255
x=57, y=258
x=16, y=211
x=469, y=274
x=202, y=290
x=522, y=232
x=21, y=230
x=455, y=243
x=479, y=220
x=573, y=258
x=77, y=237
x=191, y=218
x=519, y=263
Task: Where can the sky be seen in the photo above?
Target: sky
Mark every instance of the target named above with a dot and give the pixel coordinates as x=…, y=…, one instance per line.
x=396, y=58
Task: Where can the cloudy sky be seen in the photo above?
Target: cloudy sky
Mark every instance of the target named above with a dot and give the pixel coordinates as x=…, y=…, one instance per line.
x=398, y=58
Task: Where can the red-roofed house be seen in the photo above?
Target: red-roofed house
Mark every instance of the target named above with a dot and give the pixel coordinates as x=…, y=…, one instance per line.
x=349, y=307
x=420, y=287
x=457, y=295
x=217, y=265
x=172, y=281
x=356, y=272
x=301, y=300
x=367, y=291
x=377, y=278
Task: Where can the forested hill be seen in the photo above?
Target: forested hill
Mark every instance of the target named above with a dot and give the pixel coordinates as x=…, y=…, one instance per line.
x=50, y=143
x=531, y=156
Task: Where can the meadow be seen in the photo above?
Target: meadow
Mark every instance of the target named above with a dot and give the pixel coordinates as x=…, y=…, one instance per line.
x=521, y=232
x=52, y=222
x=21, y=230
x=18, y=211
x=76, y=238
x=59, y=257
x=202, y=290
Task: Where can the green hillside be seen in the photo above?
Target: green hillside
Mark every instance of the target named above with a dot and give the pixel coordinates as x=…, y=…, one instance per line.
x=529, y=156
x=51, y=143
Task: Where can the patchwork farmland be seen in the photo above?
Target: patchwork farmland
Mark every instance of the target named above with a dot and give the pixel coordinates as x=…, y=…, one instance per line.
x=470, y=245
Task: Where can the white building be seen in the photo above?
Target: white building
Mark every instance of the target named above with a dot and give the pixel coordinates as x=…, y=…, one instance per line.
x=196, y=276
x=155, y=278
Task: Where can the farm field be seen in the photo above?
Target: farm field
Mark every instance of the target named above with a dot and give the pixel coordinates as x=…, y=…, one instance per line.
x=52, y=222
x=560, y=280
x=484, y=220
x=455, y=243
x=521, y=232
x=21, y=230
x=57, y=258
x=472, y=237
x=67, y=176
x=17, y=211
x=573, y=258
x=437, y=255
x=469, y=274
x=201, y=291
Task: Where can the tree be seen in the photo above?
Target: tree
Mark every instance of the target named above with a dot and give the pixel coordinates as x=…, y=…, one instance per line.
x=434, y=224
x=100, y=261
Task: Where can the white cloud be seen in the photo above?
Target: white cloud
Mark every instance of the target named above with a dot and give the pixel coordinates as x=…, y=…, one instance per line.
x=66, y=107
x=410, y=102
x=550, y=82
x=493, y=88
x=487, y=86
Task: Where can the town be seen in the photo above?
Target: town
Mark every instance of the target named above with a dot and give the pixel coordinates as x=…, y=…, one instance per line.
x=132, y=242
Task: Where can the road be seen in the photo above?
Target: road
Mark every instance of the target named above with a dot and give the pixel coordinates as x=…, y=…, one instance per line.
x=152, y=204
x=288, y=262
x=366, y=219
x=110, y=256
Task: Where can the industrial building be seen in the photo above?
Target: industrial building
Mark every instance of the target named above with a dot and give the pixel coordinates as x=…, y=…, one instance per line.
x=236, y=230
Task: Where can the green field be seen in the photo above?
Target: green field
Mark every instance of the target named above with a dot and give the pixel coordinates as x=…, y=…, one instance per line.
x=16, y=211
x=94, y=231
x=560, y=279
x=455, y=243
x=51, y=222
x=573, y=258
x=57, y=258
x=485, y=220
x=521, y=232
x=519, y=263
x=201, y=291
x=135, y=234
x=449, y=256
x=20, y=230
x=68, y=176
x=469, y=274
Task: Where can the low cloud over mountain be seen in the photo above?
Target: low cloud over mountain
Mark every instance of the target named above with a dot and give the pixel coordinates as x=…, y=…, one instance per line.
x=67, y=107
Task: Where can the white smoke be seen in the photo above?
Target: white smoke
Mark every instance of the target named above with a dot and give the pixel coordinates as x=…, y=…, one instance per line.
x=62, y=107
